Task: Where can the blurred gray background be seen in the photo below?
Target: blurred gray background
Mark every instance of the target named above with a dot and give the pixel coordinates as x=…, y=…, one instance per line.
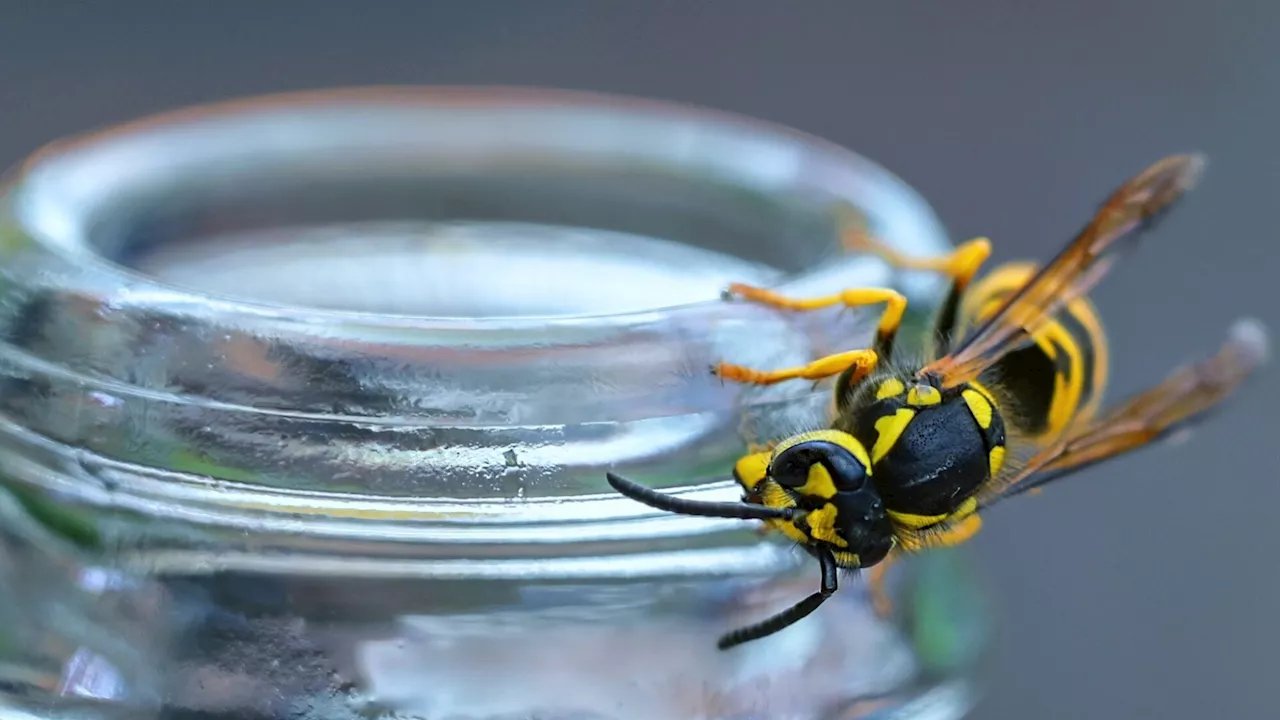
x=1148, y=588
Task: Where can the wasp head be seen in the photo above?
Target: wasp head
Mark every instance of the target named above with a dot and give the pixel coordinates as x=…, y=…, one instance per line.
x=827, y=474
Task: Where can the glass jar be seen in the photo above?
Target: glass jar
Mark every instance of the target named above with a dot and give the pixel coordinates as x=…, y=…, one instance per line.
x=308, y=400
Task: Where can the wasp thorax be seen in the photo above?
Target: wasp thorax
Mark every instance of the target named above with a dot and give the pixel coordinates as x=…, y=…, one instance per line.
x=932, y=449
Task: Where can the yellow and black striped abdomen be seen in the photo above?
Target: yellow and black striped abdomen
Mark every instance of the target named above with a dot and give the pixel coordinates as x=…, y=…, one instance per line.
x=1059, y=378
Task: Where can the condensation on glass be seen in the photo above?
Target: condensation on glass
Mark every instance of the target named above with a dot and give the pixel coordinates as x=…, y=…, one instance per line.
x=307, y=403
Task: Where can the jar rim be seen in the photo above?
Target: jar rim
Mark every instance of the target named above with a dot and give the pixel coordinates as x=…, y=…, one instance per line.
x=911, y=216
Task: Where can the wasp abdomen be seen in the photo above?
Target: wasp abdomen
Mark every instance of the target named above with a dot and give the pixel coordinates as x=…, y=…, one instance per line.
x=1061, y=376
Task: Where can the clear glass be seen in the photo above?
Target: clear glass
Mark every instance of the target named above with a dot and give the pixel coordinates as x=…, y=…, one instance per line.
x=307, y=403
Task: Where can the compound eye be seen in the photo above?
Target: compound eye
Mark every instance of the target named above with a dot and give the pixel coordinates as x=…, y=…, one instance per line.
x=793, y=465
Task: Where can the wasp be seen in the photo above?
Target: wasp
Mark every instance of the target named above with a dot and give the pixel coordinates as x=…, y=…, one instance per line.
x=1005, y=400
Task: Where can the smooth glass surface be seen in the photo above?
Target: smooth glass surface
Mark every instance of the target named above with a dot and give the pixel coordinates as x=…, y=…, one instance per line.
x=307, y=404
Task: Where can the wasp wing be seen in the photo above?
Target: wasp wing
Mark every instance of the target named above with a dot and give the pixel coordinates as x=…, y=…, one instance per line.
x=1074, y=272
x=1185, y=398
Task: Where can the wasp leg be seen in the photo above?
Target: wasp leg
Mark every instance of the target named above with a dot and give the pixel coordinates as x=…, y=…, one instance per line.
x=791, y=615
x=964, y=263
x=859, y=363
x=895, y=306
x=960, y=265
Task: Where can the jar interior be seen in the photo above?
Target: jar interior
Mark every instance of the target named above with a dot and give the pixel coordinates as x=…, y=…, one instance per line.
x=450, y=269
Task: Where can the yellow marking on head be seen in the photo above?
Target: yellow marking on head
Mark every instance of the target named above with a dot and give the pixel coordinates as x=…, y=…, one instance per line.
x=913, y=521
x=822, y=524
x=922, y=395
x=892, y=387
x=996, y=459
x=751, y=469
x=889, y=428
x=979, y=407
x=843, y=439
x=851, y=561
x=819, y=483
x=774, y=495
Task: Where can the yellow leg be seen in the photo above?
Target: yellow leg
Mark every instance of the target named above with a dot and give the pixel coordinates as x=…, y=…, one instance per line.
x=895, y=306
x=961, y=264
x=861, y=362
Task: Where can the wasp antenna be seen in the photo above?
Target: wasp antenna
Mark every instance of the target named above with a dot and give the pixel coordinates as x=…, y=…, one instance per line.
x=662, y=501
